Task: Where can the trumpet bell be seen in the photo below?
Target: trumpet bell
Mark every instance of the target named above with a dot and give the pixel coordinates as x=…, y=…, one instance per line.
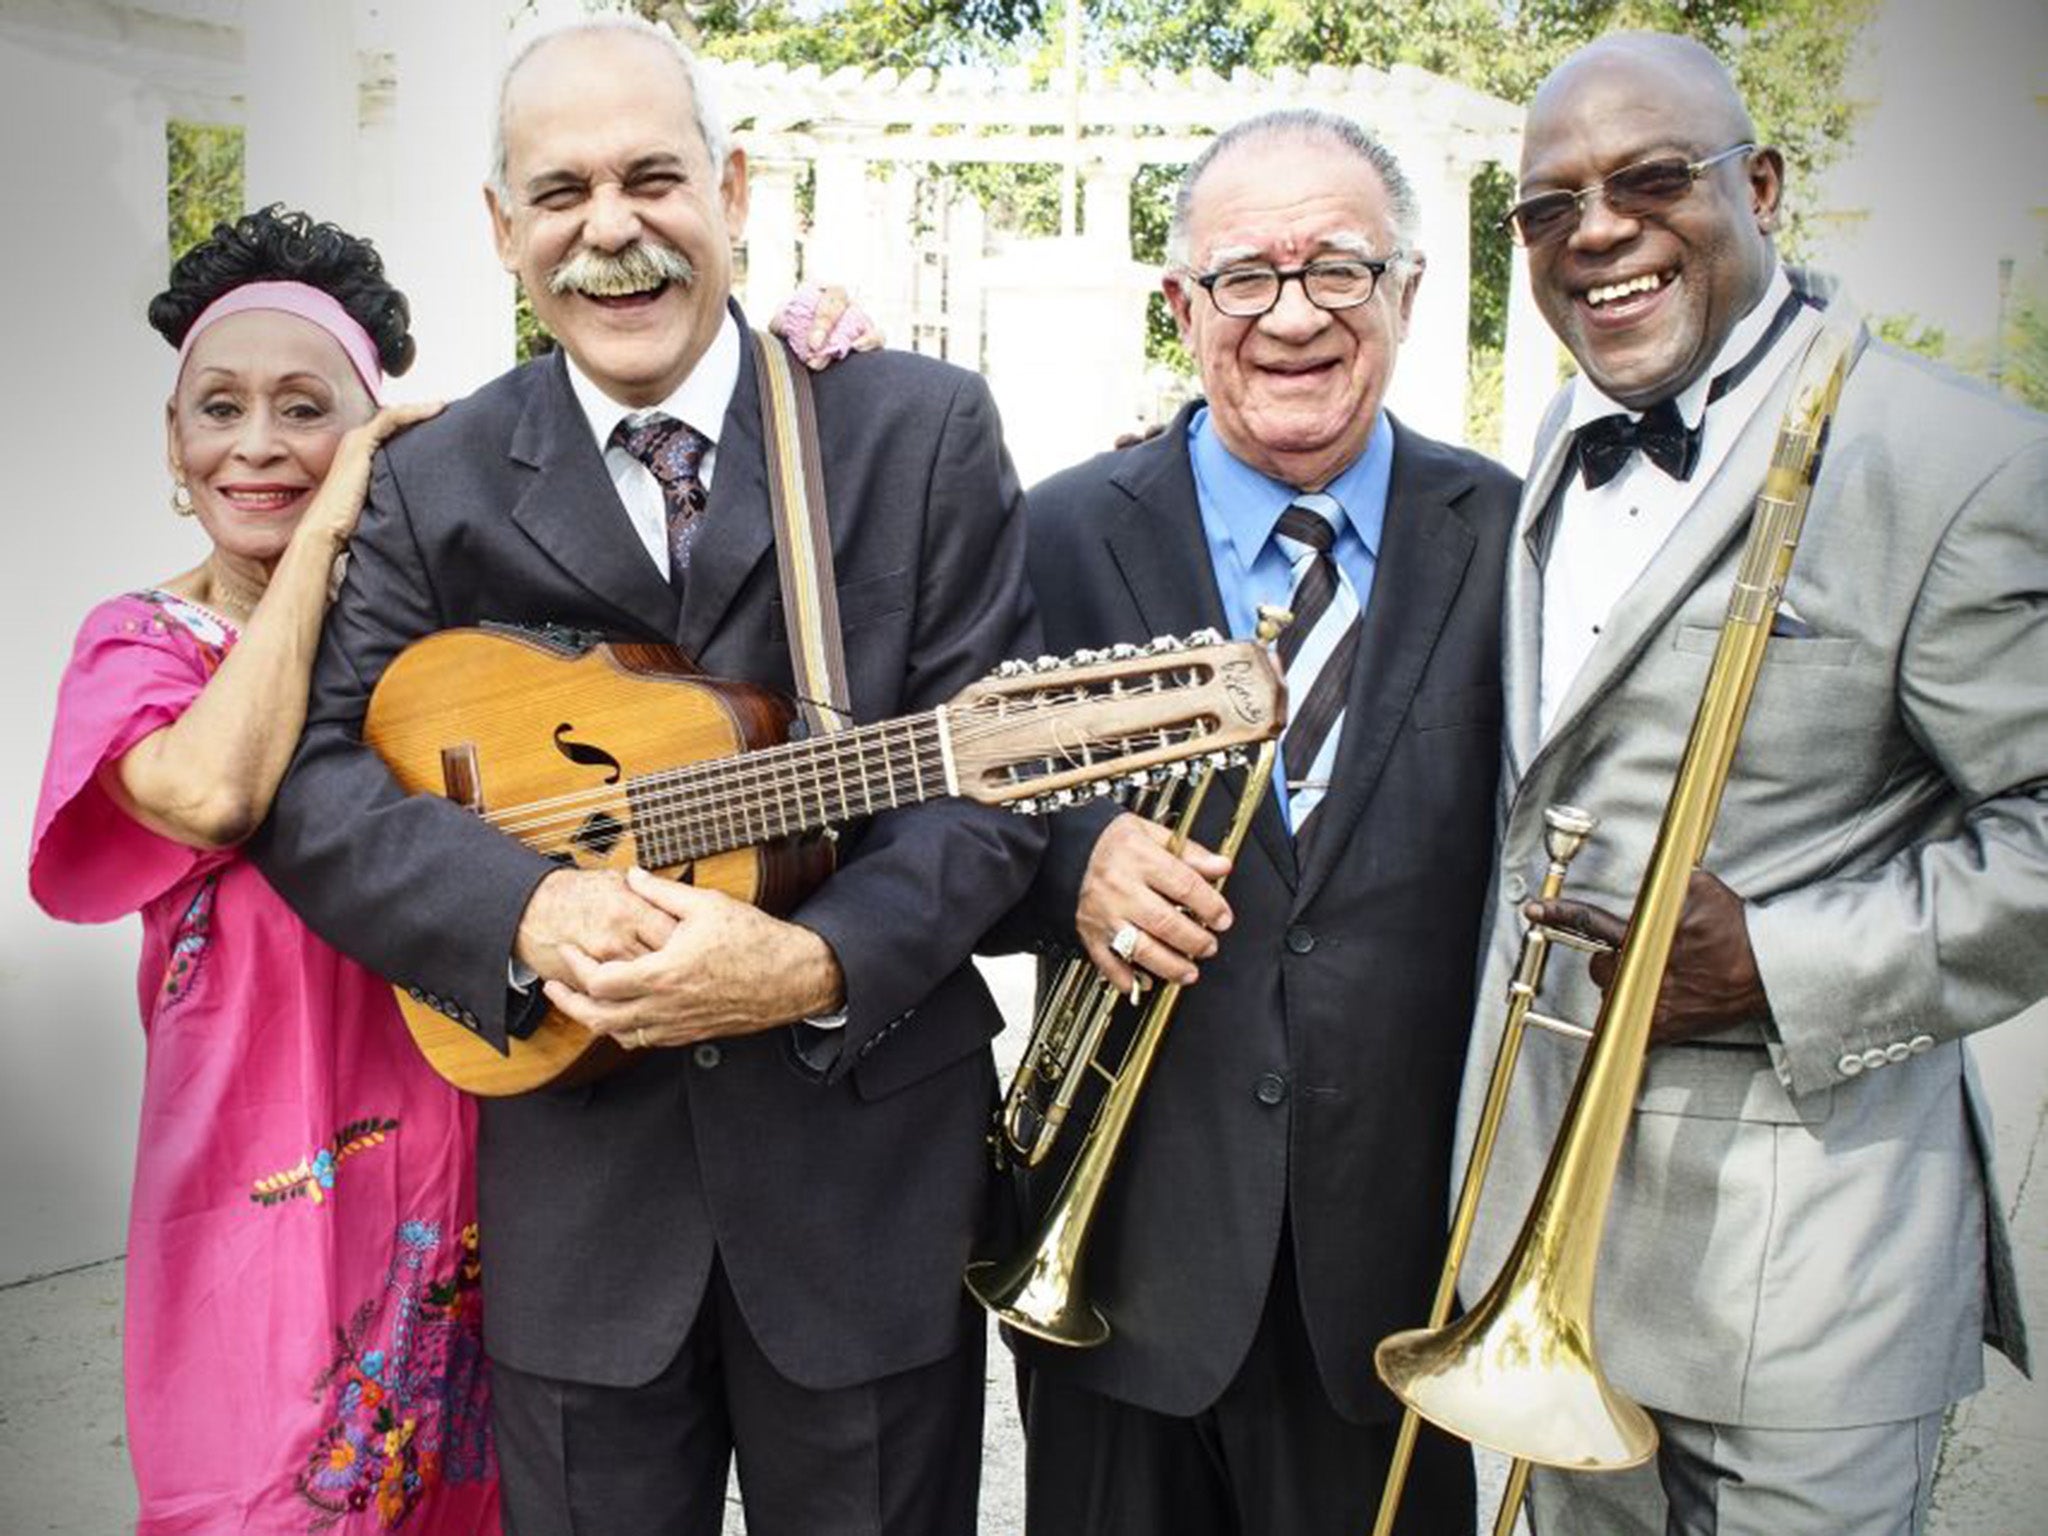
x=1518, y=1377
x=1036, y=1294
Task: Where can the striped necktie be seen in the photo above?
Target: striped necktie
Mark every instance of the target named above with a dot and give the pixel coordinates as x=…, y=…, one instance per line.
x=1316, y=651
x=672, y=450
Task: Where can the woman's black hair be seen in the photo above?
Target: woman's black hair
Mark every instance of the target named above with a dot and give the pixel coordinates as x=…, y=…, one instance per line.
x=279, y=244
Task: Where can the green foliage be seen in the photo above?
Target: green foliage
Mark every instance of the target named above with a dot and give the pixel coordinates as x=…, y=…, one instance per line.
x=2024, y=365
x=1911, y=334
x=203, y=182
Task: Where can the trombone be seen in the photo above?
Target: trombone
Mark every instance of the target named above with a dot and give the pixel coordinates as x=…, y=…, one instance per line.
x=1518, y=1372
x=1038, y=1289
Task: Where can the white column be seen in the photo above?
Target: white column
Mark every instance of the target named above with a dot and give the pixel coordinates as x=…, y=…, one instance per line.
x=84, y=380
x=892, y=243
x=842, y=221
x=1428, y=392
x=304, y=95
x=1106, y=207
x=771, y=236
x=966, y=251
x=436, y=235
x=1529, y=368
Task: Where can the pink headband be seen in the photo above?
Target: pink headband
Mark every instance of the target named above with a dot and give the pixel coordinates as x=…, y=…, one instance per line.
x=308, y=303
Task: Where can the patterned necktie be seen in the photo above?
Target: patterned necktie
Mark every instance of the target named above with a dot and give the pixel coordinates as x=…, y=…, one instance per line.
x=1316, y=651
x=671, y=450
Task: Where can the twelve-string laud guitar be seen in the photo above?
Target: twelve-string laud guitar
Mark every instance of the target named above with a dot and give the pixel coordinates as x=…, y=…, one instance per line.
x=609, y=755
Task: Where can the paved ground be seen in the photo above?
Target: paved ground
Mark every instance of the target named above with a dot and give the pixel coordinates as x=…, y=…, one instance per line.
x=63, y=1464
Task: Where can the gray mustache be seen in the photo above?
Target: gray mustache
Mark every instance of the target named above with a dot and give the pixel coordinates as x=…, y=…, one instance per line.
x=608, y=274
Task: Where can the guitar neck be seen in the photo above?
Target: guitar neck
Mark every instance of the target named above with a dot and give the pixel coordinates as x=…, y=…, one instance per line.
x=700, y=809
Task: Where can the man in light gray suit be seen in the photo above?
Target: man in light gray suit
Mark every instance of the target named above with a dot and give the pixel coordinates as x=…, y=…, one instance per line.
x=1804, y=1248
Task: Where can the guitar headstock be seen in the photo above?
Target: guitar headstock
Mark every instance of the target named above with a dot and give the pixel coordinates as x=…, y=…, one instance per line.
x=1040, y=735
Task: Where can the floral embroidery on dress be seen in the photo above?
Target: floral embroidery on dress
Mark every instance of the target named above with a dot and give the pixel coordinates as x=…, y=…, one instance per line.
x=207, y=628
x=312, y=1177
x=188, y=945
x=413, y=1411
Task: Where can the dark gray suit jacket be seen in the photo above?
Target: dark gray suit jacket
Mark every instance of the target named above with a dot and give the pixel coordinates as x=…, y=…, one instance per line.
x=1313, y=1071
x=843, y=1208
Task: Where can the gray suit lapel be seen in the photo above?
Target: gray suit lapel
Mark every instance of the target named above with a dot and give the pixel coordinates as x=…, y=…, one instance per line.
x=738, y=526
x=569, y=508
x=1169, y=574
x=1522, y=618
x=1425, y=547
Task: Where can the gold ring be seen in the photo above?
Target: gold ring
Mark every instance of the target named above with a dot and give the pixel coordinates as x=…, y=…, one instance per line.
x=640, y=1037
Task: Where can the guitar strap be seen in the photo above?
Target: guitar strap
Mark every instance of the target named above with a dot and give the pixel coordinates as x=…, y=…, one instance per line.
x=803, y=539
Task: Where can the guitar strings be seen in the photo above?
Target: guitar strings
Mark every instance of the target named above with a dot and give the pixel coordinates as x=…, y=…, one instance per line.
x=756, y=792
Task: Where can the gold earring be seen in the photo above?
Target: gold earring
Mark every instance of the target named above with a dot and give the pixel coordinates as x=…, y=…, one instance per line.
x=181, y=500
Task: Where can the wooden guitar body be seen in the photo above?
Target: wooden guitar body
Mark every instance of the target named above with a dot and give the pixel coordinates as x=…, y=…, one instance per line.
x=604, y=756
x=495, y=720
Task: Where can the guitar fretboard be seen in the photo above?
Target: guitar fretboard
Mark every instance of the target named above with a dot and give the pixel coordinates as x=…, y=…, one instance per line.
x=692, y=812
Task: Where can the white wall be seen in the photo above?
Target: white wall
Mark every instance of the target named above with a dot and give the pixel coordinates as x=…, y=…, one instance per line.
x=82, y=387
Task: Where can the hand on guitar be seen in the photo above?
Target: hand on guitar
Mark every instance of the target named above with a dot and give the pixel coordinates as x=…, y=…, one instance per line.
x=1712, y=980
x=725, y=968
x=593, y=911
x=1170, y=899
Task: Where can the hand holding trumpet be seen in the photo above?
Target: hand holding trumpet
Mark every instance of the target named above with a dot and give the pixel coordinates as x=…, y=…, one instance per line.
x=1143, y=906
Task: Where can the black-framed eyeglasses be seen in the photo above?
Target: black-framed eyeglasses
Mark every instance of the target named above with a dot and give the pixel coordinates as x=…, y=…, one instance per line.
x=1648, y=186
x=1335, y=282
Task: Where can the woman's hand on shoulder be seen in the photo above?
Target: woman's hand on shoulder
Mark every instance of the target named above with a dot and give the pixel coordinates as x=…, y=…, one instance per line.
x=340, y=501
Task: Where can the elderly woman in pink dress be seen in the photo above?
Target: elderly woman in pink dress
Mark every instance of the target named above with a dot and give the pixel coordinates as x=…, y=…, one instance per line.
x=302, y=1345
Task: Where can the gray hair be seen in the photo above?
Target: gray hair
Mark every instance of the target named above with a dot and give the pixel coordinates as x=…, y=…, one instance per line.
x=1299, y=123
x=703, y=97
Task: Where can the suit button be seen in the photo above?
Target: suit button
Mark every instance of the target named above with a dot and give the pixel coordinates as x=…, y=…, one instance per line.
x=1849, y=1065
x=1299, y=941
x=1919, y=1045
x=707, y=1055
x=1271, y=1088
x=1514, y=887
x=1875, y=1057
x=1898, y=1050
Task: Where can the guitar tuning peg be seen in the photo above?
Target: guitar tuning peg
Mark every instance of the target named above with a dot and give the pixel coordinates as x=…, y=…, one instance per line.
x=1123, y=650
x=1046, y=664
x=1102, y=788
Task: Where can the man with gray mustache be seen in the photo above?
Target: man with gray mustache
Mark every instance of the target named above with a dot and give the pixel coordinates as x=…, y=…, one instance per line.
x=749, y=1241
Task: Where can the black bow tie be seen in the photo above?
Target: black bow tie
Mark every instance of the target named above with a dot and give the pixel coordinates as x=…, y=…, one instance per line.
x=1604, y=444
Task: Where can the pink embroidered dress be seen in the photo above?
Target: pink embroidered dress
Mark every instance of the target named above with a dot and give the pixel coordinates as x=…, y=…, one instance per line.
x=302, y=1349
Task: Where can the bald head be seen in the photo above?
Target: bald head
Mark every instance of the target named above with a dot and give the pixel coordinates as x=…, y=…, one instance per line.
x=1656, y=64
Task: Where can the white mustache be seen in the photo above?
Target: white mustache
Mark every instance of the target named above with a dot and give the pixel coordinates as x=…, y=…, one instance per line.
x=640, y=266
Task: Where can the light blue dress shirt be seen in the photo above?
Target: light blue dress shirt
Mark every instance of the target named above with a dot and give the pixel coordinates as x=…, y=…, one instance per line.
x=1240, y=507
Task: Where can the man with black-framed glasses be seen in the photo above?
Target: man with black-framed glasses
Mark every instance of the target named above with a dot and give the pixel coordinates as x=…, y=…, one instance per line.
x=1805, y=1246
x=1279, y=1199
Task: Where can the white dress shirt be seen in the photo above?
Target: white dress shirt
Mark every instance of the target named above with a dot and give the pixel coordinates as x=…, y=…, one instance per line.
x=1606, y=537
x=699, y=401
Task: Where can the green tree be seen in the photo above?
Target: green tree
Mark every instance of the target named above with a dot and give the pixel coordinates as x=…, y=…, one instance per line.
x=203, y=183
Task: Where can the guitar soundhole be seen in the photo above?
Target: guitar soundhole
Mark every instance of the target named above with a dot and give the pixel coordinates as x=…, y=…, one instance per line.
x=584, y=754
x=600, y=834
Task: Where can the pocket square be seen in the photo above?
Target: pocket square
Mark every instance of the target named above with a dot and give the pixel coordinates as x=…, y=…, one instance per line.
x=1786, y=624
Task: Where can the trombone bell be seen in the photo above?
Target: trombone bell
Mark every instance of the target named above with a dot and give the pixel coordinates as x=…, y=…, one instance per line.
x=1522, y=1379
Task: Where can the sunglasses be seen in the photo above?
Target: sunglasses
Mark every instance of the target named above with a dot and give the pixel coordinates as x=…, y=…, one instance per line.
x=1648, y=186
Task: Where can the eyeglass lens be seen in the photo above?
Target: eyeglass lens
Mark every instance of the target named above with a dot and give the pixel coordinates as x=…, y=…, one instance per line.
x=1632, y=190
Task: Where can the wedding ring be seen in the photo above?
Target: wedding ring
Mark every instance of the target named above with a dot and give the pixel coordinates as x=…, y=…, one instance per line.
x=640, y=1037
x=1124, y=942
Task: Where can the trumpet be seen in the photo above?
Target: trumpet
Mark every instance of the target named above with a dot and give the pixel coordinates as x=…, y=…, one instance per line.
x=1518, y=1372
x=1038, y=1289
